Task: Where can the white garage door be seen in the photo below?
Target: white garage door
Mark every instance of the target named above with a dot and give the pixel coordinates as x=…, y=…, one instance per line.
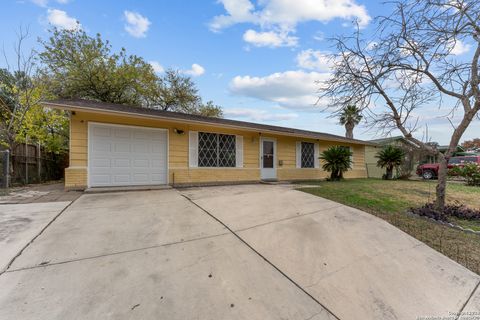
x=126, y=155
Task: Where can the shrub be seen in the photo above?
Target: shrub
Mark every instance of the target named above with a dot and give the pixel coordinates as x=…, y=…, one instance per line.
x=336, y=160
x=456, y=210
x=389, y=157
x=470, y=171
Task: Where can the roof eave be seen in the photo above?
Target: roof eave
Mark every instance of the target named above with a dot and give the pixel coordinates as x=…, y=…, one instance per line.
x=67, y=107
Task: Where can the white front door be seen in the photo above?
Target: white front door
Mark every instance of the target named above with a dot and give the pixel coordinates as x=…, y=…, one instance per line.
x=268, y=159
x=121, y=155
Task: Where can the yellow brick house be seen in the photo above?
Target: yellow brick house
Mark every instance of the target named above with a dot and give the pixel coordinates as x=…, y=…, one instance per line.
x=119, y=145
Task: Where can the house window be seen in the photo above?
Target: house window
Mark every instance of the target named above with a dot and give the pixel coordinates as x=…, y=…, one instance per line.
x=216, y=150
x=308, y=155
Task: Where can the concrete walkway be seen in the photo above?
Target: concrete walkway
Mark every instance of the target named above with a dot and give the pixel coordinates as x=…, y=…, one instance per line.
x=236, y=252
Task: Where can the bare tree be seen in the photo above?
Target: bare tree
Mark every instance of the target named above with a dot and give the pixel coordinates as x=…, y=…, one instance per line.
x=411, y=64
x=17, y=90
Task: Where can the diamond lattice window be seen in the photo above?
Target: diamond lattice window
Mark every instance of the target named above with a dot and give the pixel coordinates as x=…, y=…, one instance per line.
x=308, y=155
x=216, y=150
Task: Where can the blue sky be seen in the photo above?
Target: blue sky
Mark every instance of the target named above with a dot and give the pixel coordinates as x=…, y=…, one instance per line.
x=257, y=59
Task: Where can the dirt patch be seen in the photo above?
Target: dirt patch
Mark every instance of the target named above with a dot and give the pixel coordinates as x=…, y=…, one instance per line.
x=48, y=192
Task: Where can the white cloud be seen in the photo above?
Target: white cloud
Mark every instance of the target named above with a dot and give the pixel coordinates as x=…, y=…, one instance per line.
x=44, y=3
x=259, y=115
x=459, y=48
x=287, y=14
x=62, y=20
x=157, y=67
x=238, y=11
x=269, y=39
x=195, y=71
x=41, y=3
x=137, y=25
x=314, y=60
x=290, y=89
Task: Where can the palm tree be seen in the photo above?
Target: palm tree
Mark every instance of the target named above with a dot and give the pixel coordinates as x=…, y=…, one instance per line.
x=336, y=160
x=350, y=117
x=390, y=157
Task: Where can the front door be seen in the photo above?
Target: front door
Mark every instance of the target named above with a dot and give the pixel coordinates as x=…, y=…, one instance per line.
x=267, y=159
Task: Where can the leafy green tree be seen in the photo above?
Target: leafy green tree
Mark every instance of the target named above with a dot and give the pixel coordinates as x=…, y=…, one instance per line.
x=76, y=65
x=80, y=66
x=389, y=158
x=47, y=127
x=336, y=160
x=17, y=90
x=350, y=116
x=209, y=109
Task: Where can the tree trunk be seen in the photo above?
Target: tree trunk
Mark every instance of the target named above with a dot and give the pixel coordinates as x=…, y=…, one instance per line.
x=442, y=183
x=349, y=130
x=389, y=175
x=452, y=147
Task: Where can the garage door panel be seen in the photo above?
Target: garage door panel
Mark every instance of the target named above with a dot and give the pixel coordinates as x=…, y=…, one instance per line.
x=121, y=178
x=141, y=178
x=121, y=163
x=141, y=135
x=158, y=163
x=159, y=178
x=141, y=163
x=122, y=147
x=101, y=132
x=102, y=146
x=157, y=148
x=140, y=147
x=121, y=156
x=124, y=133
x=101, y=179
x=101, y=163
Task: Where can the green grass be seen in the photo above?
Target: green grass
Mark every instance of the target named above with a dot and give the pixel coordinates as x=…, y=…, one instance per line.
x=396, y=196
x=390, y=200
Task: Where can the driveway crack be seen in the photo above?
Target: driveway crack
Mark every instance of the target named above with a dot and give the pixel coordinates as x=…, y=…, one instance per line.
x=468, y=300
x=263, y=257
x=287, y=218
x=34, y=238
x=116, y=253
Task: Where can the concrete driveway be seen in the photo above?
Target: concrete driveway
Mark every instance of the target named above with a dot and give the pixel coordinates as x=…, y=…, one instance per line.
x=236, y=252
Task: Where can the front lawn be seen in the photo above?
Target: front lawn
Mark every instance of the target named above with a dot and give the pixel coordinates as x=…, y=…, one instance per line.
x=390, y=201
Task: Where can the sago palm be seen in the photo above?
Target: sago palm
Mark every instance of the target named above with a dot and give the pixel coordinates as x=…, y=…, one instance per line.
x=336, y=160
x=390, y=157
x=349, y=117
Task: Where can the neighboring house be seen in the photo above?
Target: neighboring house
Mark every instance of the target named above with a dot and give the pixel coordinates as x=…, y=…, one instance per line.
x=118, y=145
x=413, y=156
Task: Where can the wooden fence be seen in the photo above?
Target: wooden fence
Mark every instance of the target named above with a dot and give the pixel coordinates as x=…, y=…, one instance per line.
x=30, y=163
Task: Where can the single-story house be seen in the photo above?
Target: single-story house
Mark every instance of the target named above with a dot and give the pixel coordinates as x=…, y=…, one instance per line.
x=119, y=145
x=413, y=155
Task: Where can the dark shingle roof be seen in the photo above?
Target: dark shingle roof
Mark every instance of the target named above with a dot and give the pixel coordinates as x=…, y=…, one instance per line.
x=96, y=106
